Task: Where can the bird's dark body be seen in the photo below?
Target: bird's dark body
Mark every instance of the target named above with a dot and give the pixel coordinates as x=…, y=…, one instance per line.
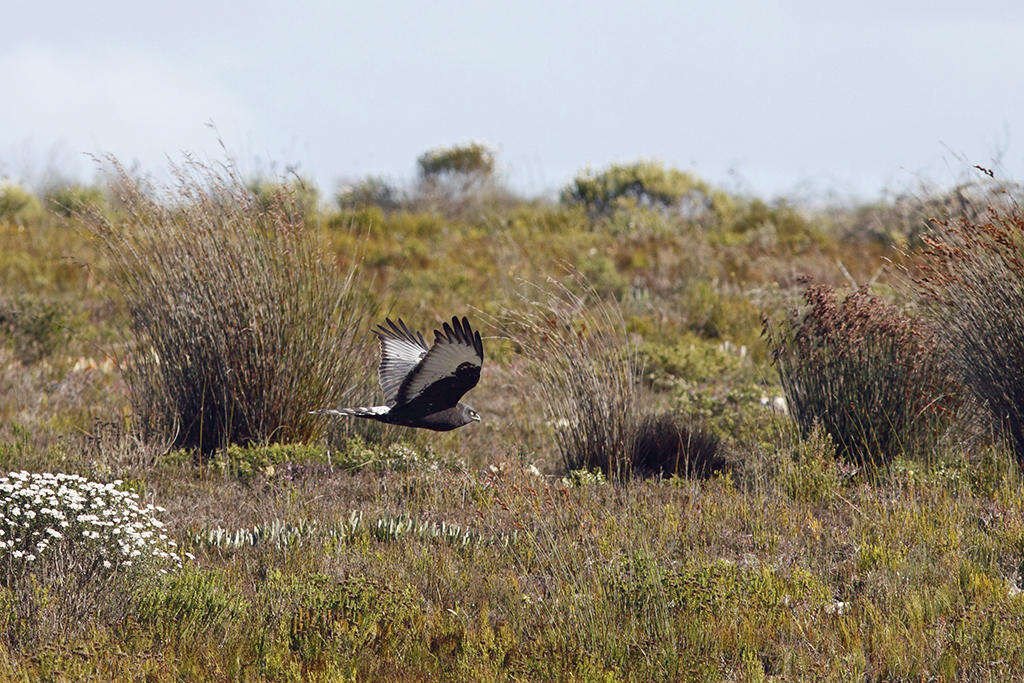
x=423, y=386
x=439, y=421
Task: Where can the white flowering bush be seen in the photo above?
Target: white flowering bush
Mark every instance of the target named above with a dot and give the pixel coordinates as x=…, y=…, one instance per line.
x=78, y=525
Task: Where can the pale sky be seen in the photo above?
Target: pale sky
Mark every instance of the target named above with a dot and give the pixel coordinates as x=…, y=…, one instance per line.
x=772, y=97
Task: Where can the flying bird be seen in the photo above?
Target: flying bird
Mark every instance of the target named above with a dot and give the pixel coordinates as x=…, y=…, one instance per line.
x=422, y=386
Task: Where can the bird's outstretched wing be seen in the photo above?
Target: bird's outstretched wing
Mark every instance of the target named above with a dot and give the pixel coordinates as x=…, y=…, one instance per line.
x=400, y=352
x=449, y=370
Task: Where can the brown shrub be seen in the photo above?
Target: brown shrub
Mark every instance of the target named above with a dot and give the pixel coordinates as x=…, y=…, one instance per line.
x=971, y=276
x=863, y=369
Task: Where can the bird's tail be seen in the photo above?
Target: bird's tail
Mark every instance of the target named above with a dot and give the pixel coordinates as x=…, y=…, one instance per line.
x=364, y=411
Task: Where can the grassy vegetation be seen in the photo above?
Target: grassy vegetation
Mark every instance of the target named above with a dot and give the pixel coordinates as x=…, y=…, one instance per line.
x=636, y=503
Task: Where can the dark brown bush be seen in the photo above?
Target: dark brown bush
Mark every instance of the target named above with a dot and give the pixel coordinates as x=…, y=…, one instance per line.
x=867, y=372
x=665, y=446
x=237, y=325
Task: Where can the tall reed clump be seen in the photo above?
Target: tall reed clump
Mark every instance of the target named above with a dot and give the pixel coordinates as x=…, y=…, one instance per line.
x=971, y=277
x=582, y=373
x=237, y=325
x=868, y=373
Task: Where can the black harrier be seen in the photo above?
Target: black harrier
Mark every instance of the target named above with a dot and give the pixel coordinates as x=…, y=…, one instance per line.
x=422, y=386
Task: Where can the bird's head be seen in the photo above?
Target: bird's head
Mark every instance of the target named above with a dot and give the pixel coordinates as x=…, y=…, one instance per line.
x=470, y=414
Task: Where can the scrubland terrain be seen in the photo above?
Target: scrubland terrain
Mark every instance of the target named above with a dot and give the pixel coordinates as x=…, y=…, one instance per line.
x=695, y=460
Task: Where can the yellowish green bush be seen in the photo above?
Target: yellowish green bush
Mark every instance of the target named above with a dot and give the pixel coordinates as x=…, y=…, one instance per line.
x=471, y=161
x=33, y=327
x=810, y=471
x=692, y=359
x=193, y=602
x=298, y=195
x=17, y=204
x=370, y=191
x=69, y=199
x=646, y=183
x=768, y=225
x=713, y=310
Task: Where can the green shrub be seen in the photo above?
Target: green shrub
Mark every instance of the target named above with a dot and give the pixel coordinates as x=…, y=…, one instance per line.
x=776, y=223
x=356, y=455
x=601, y=272
x=238, y=325
x=578, y=478
x=17, y=204
x=370, y=191
x=733, y=411
x=34, y=328
x=246, y=461
x=645, y=183
x=811, y=471
x=71, y=199
x=297, y=197
x=712, y=311
x=722, y=589
x=868, y=373
x=691, y=359
x=469, y=161
x=330, y=615
x=458, y=177
x=192, y=602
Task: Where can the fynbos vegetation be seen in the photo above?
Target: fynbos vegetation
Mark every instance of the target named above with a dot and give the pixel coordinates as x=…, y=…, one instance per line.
x=584, y=372
x=666, y=446
x=655, y=490
x=972, y=278
x=238, y=325
x=644, y=183
x=868, y=373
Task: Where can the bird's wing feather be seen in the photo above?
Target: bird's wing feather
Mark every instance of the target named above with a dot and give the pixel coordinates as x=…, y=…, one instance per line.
x=400, y=352
x=449, y=370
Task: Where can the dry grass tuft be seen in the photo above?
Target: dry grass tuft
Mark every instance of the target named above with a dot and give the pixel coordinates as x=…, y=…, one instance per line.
x=238, y=326
x=584, y=369
x=972, y=279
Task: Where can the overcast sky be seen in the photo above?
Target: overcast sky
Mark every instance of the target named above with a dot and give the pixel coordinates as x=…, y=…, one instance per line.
x=772, y=96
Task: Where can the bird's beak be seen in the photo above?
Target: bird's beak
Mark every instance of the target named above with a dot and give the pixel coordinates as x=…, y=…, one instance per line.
x=477, y=417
